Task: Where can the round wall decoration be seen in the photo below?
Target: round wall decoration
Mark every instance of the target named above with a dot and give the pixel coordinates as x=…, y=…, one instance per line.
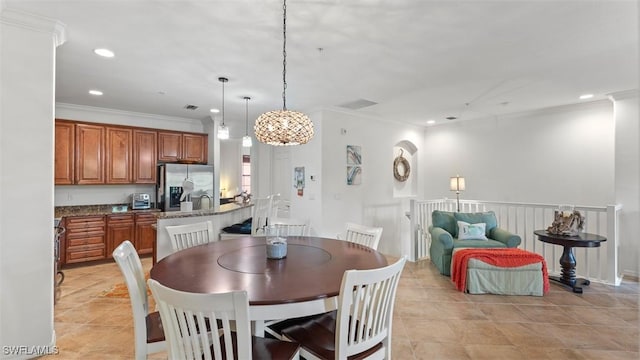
x=401, y=168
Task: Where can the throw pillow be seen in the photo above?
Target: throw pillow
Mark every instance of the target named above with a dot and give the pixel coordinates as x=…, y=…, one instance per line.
x=468, y=231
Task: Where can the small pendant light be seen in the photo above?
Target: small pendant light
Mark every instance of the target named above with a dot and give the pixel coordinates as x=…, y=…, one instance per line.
x=223, y=130
x=246, y=139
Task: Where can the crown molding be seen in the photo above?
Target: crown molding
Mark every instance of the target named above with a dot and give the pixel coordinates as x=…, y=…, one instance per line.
x=125, y=113
x=619, y=95
x=34, y=22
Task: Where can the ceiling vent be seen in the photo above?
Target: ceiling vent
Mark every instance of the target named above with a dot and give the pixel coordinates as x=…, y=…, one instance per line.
x=191, y=107
x=358, y=104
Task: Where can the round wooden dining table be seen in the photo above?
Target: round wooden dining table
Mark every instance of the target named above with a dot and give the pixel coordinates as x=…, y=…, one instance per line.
x=306, y=282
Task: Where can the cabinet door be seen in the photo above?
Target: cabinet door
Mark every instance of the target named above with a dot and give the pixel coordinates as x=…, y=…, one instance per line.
x=119, y=228
x=64, y=158
x=194, y=148
x=89, y=154
x=144, y=156
x=169, y=146
x=118, y=159
x=145, y=233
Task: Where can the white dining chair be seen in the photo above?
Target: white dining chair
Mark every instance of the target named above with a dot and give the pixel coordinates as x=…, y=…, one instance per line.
x=363, y=235
x=185, y=313
x=262, y=212
x=186, y=236
x=147, y=327
x=295, y=226
x=361, y=327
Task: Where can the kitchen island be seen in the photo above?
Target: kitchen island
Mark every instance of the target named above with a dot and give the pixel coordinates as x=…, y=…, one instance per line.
x=221, y=217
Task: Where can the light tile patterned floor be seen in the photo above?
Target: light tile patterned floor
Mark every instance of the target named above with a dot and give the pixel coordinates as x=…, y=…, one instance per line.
x=432, y=320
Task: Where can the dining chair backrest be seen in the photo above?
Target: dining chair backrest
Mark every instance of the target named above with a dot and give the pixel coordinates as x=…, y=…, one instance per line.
x=365, y=310
x=225, y=316
x=363, y=235
x=186, y=236
x=361, y=327
x=295, y=227
x=129, y=263
x=262, y=209
x=185, y=313
x=280, y=206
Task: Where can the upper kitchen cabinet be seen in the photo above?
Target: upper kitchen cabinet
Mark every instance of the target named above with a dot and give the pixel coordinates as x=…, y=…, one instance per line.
x=89, y=154
x=145, y=144
x=169, y=146
x=64, y=157
x=118, y=156
x=194, y=148
x=182, y=147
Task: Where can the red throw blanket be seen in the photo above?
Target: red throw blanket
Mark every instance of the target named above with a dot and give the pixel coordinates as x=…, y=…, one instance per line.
x=501, y=257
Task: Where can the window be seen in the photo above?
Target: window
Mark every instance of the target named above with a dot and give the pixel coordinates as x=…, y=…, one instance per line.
x=246, y=173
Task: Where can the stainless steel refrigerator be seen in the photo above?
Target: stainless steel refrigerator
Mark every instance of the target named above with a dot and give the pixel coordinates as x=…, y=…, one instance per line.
x=170, y=180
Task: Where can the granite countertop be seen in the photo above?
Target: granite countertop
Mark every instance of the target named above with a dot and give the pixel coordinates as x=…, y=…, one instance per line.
x=222, y=209
x=105, y=209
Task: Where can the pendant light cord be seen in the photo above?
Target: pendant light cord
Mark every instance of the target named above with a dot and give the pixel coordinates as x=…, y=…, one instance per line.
x=284, y=56
x=246, y=115
x=223, y=81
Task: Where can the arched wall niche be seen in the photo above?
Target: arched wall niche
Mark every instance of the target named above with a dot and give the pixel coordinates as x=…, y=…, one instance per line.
x=409, y=152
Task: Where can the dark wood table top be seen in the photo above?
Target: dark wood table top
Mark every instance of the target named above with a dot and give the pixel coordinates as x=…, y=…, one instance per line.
x=312, y=270
x=580, y=240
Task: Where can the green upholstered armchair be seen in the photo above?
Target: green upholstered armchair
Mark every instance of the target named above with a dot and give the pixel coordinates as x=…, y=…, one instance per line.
x=444, y=236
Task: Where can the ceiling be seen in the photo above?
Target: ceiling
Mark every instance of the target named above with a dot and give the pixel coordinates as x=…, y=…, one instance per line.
x=417, y=60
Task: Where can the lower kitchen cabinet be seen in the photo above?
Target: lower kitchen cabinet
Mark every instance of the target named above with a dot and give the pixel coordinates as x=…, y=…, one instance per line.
x=120, y=227
x=85, y=239
x=94, y=237
x=145, y=233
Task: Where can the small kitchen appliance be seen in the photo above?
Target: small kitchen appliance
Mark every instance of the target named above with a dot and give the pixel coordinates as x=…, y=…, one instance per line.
x=140, y=201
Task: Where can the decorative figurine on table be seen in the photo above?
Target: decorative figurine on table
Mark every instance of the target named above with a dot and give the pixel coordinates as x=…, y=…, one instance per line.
x=568, y=223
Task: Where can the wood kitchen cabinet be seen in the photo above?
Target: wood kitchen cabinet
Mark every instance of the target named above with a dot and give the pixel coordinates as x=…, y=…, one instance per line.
x=176, y=147
x=194, y=148
x=169, y=146
x=119, y=155
x=120, y=227
x=145, y=233
x=64, y=153
x=85, y=239
x=89, y=154
x=145, y=160
x=92, y=153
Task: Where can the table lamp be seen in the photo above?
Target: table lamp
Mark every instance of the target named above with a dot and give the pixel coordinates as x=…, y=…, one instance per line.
x=457, y=184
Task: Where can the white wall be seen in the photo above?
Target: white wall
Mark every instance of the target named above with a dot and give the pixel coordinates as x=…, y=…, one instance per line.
x=561, y=155
x=627, y=178
x=370, y=203
x=27, y=71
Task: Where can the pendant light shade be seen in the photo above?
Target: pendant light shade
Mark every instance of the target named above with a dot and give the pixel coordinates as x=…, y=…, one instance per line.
x=284, y=127
x=246, y=139
x=223, y=130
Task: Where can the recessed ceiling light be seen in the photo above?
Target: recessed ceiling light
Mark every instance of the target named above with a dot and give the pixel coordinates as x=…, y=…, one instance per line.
x=586, y=96
x=95, y=92
x=215, y=111
x=431, y=122
x=104, y=53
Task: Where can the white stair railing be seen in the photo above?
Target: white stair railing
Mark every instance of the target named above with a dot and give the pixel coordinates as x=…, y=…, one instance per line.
x=597, y=264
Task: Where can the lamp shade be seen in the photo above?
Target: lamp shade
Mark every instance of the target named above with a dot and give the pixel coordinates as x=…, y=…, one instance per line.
x=457, y=183
x=223, y=132
x=246, y=141
x=283, y=127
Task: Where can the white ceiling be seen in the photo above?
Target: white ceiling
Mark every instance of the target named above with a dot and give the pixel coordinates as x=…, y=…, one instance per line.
x=418, y=60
